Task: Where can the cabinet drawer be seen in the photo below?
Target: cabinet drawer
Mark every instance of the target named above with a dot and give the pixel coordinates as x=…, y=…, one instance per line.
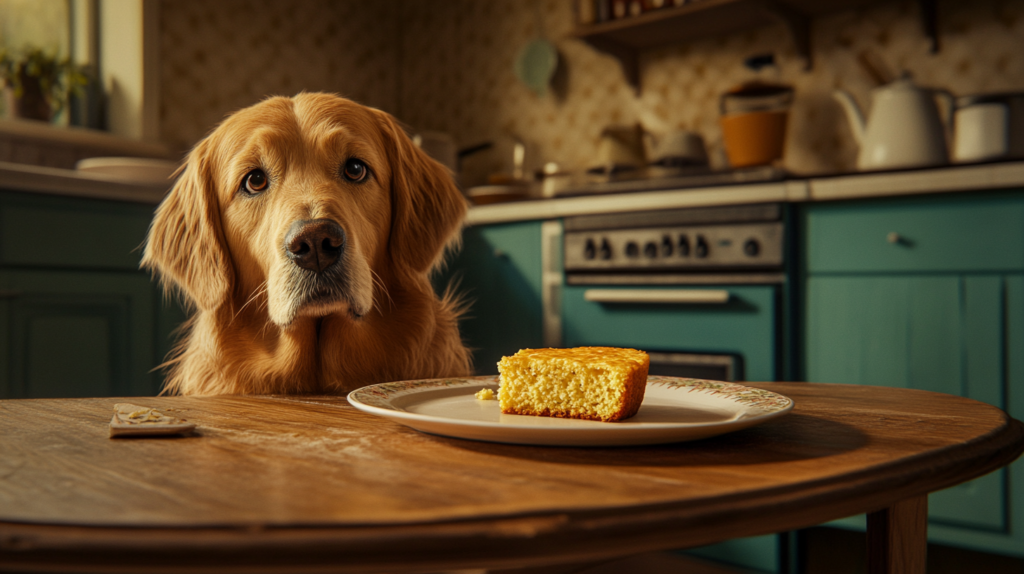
x=47, y=231
x=978, y=233
x=743, y=324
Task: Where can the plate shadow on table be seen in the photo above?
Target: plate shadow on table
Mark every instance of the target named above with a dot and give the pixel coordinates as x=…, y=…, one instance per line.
x=794, y=436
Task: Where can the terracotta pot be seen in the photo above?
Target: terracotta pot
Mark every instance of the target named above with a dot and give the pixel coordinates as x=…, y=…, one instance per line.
x=754, y=138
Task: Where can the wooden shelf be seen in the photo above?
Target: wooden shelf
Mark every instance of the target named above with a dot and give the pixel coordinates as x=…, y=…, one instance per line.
x=625, y=38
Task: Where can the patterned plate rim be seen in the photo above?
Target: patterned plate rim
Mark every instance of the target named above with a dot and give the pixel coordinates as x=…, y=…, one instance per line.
x=380, y=396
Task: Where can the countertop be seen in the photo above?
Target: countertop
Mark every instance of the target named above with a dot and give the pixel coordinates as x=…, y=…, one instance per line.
x=978, y=177
x=71, y=183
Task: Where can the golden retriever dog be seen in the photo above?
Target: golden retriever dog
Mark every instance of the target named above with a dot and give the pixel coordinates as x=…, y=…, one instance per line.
x=302, y=232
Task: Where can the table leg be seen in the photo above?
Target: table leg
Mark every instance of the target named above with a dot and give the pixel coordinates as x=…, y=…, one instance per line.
x=898, y=538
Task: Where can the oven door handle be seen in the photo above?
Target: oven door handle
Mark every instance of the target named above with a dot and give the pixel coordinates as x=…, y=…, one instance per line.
x=670, y=296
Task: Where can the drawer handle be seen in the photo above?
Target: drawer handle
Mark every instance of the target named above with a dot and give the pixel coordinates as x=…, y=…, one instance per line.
x=673, y=296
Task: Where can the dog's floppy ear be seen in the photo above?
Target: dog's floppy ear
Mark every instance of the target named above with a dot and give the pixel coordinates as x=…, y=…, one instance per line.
x=426, y=206
x=185, y=244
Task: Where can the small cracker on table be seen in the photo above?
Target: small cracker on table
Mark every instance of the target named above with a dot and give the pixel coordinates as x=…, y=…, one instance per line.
x=135, y=420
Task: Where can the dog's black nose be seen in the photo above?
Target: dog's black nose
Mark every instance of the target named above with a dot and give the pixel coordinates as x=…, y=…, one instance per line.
x=315, y=244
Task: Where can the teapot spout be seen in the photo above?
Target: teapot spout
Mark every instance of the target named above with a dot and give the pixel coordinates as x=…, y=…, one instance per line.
x=853, y=114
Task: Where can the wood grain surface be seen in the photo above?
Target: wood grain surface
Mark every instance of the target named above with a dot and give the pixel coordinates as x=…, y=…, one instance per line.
x=311, y=484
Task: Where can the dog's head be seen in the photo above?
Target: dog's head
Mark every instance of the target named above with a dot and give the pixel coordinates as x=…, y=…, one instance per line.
x=302, y=201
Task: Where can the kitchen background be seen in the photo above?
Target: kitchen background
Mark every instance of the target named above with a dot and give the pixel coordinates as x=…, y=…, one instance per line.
x=449, y=66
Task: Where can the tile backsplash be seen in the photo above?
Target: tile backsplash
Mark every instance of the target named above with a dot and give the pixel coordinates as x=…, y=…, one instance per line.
x=449, y=66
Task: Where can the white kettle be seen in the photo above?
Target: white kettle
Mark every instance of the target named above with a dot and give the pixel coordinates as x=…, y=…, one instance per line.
x=904, y=129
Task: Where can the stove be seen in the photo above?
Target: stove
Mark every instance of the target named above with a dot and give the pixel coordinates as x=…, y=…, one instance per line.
x=741, y=244
x=657, y=178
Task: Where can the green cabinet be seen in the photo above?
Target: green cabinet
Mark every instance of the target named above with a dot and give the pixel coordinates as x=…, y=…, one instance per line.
x=498, y=272
x=77, y=316
x=927, y=294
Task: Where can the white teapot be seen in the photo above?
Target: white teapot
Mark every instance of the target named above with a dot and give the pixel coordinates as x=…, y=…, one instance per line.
x=904, y=129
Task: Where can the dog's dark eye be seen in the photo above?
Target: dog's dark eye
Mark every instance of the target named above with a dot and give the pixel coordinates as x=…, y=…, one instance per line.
x=355, y=170
x=255, y=182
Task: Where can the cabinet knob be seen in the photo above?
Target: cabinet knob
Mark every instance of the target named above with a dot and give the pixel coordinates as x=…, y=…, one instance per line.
x=897, y=239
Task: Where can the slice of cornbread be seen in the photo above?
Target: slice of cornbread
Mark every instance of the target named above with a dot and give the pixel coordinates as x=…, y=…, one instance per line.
x=594, y=383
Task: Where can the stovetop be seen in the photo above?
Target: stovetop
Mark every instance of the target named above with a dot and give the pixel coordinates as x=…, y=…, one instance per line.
x=656, y=179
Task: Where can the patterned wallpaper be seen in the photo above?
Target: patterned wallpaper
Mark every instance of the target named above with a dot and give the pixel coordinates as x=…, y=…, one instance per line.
x=467, y=86
x=220, y=56
x=448, y=66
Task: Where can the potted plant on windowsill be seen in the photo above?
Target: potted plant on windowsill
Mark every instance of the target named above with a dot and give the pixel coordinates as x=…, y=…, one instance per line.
x=38, y=84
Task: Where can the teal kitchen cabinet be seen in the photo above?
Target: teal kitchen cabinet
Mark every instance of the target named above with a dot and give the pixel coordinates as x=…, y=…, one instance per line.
x=77, y=316
x=498, y=272
x=745, y=326
x=927, y=293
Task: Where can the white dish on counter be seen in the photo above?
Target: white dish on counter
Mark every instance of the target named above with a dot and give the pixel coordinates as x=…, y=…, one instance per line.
x=674, y=410
x=133, y=169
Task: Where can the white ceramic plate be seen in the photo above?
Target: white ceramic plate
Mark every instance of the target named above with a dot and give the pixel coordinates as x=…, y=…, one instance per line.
x=673, y=410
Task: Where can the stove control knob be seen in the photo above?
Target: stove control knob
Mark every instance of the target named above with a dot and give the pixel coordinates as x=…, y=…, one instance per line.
x=752, y=248
x=666, y=246
x=684, y=246
x=651, y=250
x=606, y=249
x=701, y=248
x=589, y=250
x=632, y=249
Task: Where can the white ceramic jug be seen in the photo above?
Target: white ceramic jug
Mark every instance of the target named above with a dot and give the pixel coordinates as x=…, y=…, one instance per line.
x=989, y=127
x=904, y=129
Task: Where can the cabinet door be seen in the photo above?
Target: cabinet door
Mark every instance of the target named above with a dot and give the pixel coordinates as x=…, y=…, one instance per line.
x=498, y=271
x=942, y=333
x=77, y=334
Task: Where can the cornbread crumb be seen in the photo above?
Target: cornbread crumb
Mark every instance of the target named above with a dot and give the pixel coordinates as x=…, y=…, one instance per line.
x=485, y=395
x=593, y=383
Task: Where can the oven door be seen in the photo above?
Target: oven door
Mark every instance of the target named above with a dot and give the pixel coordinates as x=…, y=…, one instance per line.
x=719, y=333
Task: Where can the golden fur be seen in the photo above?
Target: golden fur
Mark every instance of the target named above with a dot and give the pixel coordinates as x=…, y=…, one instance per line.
x=263, y=325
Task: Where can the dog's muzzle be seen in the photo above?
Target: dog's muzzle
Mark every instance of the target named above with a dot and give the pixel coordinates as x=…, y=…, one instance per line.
x=315, y=244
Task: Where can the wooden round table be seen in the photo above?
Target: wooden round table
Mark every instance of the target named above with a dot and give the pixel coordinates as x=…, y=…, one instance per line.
x=309, y=484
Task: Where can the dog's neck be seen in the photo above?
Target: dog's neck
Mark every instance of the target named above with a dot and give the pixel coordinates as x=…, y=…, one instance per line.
x=329, y=354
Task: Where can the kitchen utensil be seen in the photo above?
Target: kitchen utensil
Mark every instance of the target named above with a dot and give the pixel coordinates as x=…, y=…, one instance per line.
x=487, y=194
x=988, y=126
x=553, y=180
x=904, y=129
x=678, y=148
x=536, y=64
x=621, y=148
x=753, y=122
x=537, y=61
x=674, y=409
